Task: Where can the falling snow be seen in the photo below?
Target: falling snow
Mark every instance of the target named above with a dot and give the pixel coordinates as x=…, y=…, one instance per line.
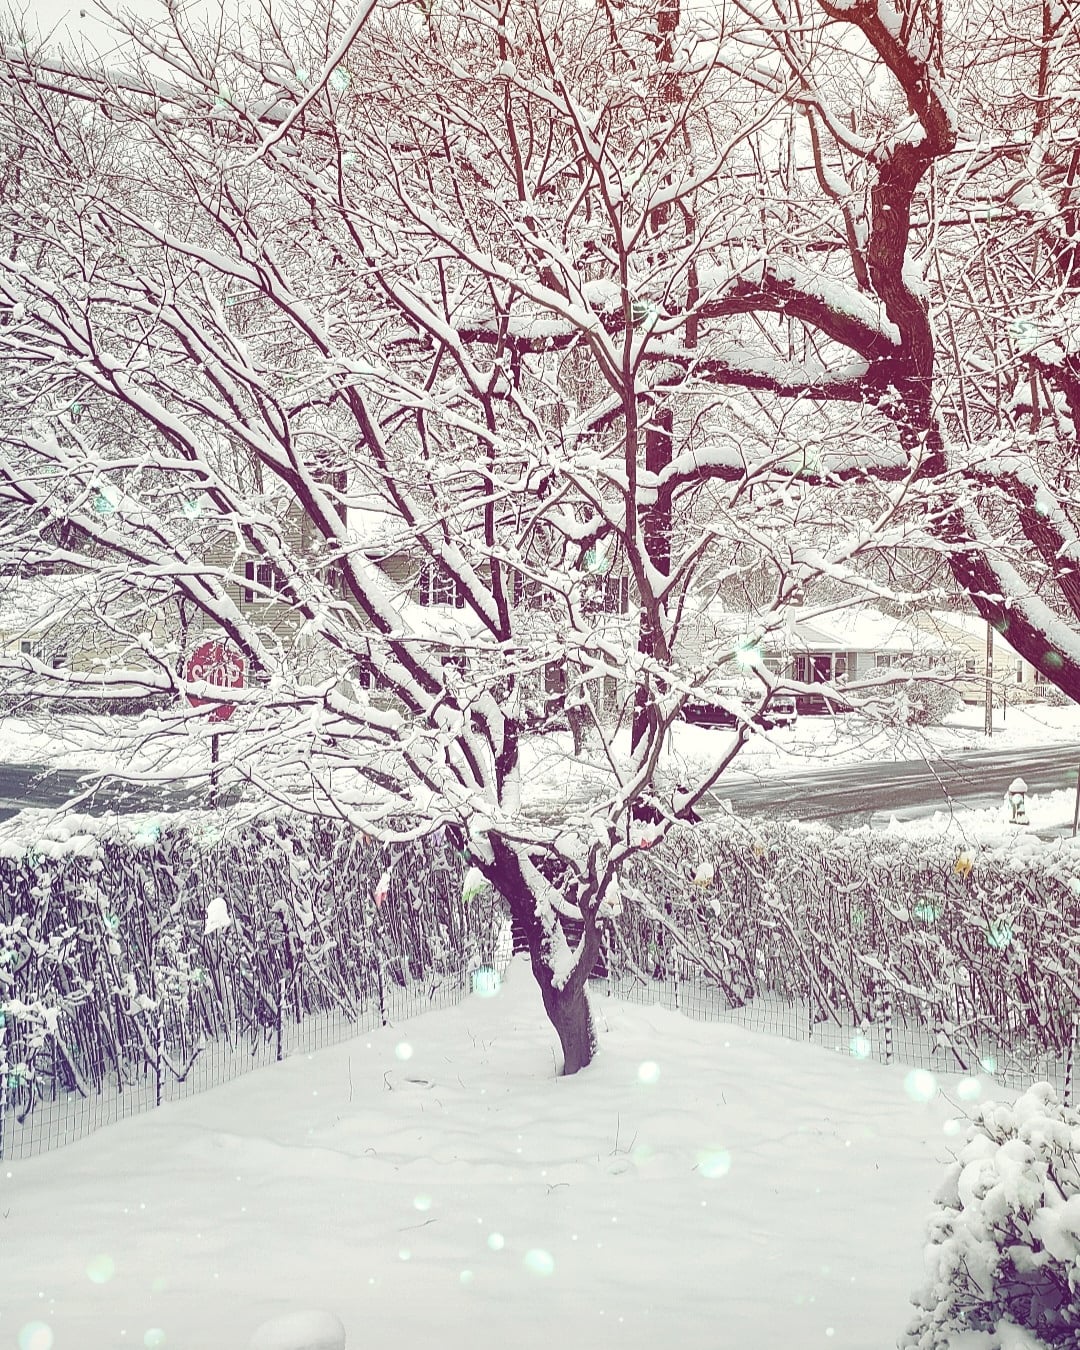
x=435, y=1184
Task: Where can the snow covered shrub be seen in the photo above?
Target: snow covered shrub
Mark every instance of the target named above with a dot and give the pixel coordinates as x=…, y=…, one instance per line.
x=1004, y=1249
x=974, y=943
x=929, y=704
x=115, y=935
x=1055, y=697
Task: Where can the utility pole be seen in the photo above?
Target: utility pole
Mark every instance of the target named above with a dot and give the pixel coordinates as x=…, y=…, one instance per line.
x=989, y=703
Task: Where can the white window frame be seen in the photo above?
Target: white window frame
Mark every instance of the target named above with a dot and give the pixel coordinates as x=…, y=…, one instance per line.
x=437, y=587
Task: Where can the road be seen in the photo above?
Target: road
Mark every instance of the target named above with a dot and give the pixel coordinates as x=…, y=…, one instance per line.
x=863, y=794
x=34, y=785
x=857, y=794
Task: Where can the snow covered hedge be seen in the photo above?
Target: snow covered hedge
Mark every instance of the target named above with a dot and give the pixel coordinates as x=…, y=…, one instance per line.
x=1003, y=1259
x=117, y=941
x=929, y=704
x=976, y=944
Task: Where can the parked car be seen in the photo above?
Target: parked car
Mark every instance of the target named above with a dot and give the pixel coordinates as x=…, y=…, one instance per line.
x=708, y=714
x=779, y=712
x=821, y=705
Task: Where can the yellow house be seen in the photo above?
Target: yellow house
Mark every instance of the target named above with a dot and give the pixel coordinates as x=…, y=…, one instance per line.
x=1013, y=680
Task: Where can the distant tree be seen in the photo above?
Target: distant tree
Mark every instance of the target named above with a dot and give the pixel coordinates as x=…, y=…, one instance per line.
x=541, y=297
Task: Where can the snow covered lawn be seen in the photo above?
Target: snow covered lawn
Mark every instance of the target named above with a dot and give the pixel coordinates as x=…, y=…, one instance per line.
x=434, y=1185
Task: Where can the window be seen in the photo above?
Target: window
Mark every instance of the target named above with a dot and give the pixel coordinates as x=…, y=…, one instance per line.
x=529, y=593
x=971, y=666
x=555, y=678
x=335, y=579
x=1019, y=671
x=30, y=648
x=364, y=673
x=434, y=586
x=262, y=574
x=606, y=595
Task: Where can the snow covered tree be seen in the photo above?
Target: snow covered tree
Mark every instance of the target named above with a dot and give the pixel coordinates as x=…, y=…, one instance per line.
x=560, y=317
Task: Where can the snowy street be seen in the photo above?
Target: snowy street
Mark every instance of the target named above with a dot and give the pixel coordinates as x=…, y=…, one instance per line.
x=834, y=769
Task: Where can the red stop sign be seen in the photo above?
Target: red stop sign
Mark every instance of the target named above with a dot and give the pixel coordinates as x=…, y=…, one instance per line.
x=216, y=663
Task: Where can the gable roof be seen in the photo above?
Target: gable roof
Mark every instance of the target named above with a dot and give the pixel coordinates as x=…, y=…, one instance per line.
x=858, y=629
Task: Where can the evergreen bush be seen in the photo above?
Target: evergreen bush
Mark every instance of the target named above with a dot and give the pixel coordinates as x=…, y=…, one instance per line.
x=1003, y=1258
x=928, y=704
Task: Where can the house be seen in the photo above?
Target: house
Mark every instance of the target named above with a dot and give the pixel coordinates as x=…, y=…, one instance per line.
x=27, y=624
x=852, y=643
x=75, y=622
x=433, y=606
x=855, y=643
x=812, y=645
x=965, y=634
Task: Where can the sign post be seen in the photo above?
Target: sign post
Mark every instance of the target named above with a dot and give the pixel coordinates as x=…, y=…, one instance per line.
x=217, y=663
x=1076, y=808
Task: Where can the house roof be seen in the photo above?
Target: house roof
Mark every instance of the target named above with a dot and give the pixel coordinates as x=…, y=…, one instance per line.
x=966, y=630
x=857, y=629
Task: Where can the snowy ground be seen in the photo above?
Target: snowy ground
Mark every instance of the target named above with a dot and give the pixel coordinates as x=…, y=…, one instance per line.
x=556, y=780
x=79, y=742
x=433, y=1184
x=1050, y=816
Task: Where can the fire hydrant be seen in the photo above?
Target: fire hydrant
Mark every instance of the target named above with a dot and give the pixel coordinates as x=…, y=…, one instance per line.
x=1016, y=800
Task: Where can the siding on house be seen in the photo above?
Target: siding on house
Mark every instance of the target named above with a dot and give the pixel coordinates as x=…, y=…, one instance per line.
x=1013, y=678
x=58, y=618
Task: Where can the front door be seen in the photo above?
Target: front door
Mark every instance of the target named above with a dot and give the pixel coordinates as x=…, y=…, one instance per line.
x=821, y=668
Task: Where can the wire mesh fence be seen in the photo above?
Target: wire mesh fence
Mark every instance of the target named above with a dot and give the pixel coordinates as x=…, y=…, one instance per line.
x=140, y=970
x=59, y=1114
x=886, y=1039
x=959, y=960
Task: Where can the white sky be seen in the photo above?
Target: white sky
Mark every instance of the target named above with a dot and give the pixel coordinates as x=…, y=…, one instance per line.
x=76, y=19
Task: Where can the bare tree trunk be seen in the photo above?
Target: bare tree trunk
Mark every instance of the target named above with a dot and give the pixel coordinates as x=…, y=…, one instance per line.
x=569, y=1013
x=659, y=448
x=578, y=718
x=564, y=994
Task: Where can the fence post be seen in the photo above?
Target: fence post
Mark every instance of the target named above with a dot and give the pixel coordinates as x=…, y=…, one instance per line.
x=607, y=958
x=159, y=1058
x=884, y=1000
x=888, y=1027
x=279, y=1030
x=1070, y=1064
x=3, y=1078
x=675, y=977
